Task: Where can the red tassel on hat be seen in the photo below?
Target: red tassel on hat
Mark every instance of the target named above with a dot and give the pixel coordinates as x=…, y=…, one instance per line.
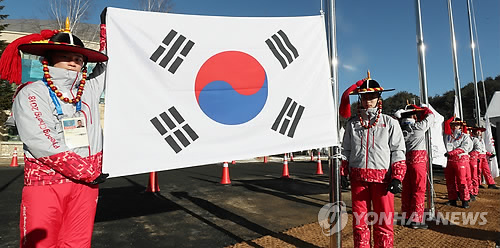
x=422, y=112
x=427, y=111
x=345, y=105
x=102, y=39
x=10, y=62
x=447, y=127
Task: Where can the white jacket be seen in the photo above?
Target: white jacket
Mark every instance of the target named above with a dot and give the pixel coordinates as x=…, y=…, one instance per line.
x=376, y=154
x=48, y=159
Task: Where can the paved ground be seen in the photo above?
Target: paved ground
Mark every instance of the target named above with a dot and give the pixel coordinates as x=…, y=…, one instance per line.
x=193, y=210
x=484, y=233
x=259, y=209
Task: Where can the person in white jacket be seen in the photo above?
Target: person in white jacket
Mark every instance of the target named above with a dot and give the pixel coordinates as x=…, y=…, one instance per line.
x=415, y=121
x=458, y=145
x=374, y=160
x=481, y=156
x=62, y=163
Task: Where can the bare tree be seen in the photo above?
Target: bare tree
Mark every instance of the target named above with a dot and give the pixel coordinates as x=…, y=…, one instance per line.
x=156, y=5
x=75, y=10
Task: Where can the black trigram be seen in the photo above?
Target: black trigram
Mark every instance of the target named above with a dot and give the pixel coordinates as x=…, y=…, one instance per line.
x=175, y=130
x=286, y=52
x=173, y=48
x=288, y=118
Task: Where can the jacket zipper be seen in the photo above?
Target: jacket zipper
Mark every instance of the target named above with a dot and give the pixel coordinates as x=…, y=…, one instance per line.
x=367, y=146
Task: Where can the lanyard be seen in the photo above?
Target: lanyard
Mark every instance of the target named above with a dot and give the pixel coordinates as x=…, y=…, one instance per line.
x=56, y=101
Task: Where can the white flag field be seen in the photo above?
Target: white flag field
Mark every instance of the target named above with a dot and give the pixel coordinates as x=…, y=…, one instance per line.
x=437, y=141
x=489, y=143
x=187, y=90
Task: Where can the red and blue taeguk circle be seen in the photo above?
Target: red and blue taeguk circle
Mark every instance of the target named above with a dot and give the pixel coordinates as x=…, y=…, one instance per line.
x=231, y=87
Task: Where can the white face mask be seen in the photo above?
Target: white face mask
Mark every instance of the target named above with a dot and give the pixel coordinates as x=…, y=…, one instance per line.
x=457, y=132
x=406, y=127
x=407, y=121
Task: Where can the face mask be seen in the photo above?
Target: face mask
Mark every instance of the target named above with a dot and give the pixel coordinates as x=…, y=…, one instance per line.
x=407, y=121
x=406, y=127
x=457, y=132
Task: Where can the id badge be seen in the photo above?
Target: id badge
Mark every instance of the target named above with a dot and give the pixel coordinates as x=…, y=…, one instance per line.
x=75, y=132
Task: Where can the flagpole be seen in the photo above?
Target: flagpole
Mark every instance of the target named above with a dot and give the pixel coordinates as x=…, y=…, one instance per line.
x=334, y=159
x=477, y=110
x=424, y=99
x=479, y=57
x=458, y=93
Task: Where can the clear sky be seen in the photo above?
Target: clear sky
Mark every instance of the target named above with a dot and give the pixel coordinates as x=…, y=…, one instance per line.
x=376, y=35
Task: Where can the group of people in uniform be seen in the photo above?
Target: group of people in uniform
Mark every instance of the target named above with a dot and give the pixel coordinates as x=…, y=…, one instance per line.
x=384, y=155
x=467, y=162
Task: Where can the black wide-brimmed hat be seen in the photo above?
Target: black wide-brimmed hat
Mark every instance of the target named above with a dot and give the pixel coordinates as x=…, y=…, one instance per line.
x=39, y=44
x=63, y=41
x=477, y=128
x=410, y=109
x=454, y=121
x=369, y=86
x=458, y=121
x=363, y=86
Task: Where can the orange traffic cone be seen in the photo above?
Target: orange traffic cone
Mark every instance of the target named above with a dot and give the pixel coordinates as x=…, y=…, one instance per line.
x=291, y=156
x=225, y=174
x=265, y=159
x=319, y=167
x=233, y=162
x=13, y=162
x=153, y=186
x=285, y=173
x=312, y=155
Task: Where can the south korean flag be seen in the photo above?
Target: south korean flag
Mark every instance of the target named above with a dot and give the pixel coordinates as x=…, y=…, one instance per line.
x=187, y=90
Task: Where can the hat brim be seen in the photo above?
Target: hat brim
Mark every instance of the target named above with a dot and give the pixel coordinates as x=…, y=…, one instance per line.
x=411, y=111
x=474, y=129
x=356, y=92
x=462, y=123
x=41, y=49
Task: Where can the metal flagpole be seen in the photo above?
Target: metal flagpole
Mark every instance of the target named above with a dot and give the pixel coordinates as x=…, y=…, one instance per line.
x=477, y=112
x=458, y=93
x=479, y=55
x=334, y=159
x=424, y=99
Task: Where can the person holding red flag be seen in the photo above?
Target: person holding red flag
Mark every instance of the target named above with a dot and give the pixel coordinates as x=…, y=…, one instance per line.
x=374, y=159
x=415, y=121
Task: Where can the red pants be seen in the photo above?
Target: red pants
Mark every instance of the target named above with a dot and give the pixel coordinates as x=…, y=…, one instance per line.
x=484, y=169
x=475, y=176
x=468, y=177
x=59, y=215
x=456, y=177
x=363, y=195
x=414, y=185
